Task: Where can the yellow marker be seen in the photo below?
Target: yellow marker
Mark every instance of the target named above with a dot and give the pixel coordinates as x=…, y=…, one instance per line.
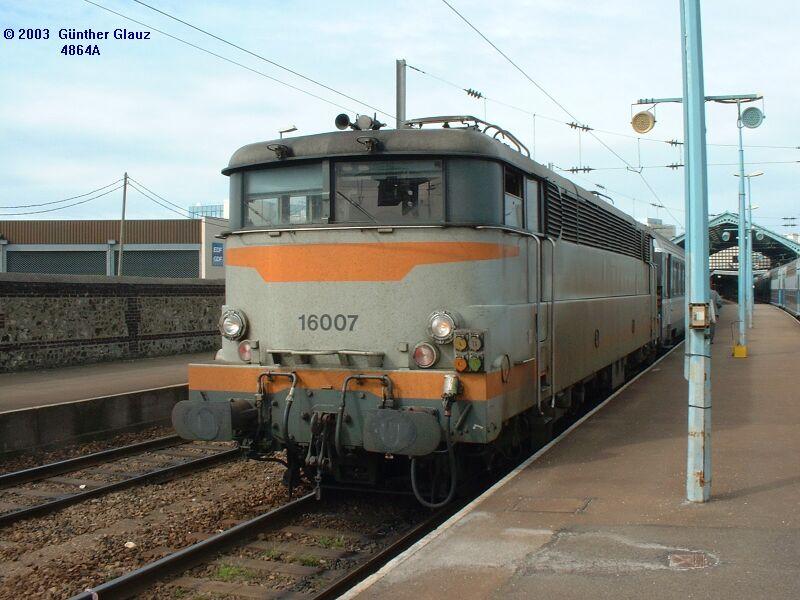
x=739, y=351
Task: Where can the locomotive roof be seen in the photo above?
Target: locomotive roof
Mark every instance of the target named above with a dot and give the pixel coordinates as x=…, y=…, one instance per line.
x=443, y=141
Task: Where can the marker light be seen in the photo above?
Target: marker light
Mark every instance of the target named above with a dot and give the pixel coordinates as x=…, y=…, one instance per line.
x=232, y=324
x=441, y=326
x=475, y=363
x=246, y=351
x=425, y=355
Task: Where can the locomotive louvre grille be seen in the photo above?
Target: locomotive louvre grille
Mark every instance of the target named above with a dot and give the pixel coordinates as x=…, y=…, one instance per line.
x=580, y=221
x=553, y=210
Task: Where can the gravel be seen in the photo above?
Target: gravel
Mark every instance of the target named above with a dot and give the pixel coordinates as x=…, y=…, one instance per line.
x=59, y=555
x=41, y=457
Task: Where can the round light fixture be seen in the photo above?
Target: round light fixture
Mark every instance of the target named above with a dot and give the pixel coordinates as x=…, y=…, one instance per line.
x=232, y=324
x=441, y=326
x=752, y=117
x=643, y=122
x=726, y=236
x=425, y=355
x=245, y=351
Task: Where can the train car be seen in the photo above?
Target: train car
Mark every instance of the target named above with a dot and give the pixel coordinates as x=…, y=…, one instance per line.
x=671, y=277
x=784, y=282
x=409, y=303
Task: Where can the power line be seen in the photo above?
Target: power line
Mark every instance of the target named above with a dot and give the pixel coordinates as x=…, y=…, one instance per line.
x=221, y=57
x=178, y=206
x=63, y=199
x=164, y=206
x=265, y=59
x=39, y=212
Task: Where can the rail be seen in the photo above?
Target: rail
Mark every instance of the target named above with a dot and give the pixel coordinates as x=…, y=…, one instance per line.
x=91, y=491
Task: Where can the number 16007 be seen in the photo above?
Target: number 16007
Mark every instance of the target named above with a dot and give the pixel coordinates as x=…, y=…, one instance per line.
x=327, y=322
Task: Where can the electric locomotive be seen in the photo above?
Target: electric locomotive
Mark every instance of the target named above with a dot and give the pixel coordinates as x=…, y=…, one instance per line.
x=406, y=303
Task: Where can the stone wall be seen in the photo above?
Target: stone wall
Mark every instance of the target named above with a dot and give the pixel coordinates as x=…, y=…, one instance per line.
x=59, y=320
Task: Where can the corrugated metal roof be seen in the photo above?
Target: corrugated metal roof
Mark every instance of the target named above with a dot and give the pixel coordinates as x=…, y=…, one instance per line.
x=153, y=231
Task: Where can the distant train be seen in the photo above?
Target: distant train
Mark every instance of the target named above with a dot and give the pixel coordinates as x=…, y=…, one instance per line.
x=405, y=304
x=671, y=277
x=780, y=287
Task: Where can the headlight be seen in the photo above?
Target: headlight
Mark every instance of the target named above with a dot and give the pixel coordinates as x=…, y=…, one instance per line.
x=425, y=355
x=441, y=326
x=232, y=324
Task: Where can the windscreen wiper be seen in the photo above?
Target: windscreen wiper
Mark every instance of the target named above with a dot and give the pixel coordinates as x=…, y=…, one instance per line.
x=374, y=220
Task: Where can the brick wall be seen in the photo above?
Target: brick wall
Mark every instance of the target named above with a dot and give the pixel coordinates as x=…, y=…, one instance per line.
x=58, y=320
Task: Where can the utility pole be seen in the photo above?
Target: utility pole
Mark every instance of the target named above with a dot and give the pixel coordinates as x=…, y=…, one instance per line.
x=122, y=222
x=400, y=91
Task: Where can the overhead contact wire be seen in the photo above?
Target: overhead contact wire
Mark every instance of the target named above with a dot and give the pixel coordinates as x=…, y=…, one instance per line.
x=264, y=58
x=221, y=57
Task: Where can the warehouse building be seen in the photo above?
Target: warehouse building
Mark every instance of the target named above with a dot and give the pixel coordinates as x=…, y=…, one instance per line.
x=152, y=248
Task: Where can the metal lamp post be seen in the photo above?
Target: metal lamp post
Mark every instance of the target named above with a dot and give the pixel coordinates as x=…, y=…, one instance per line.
x=749, y=247
x=751, y=118
x=698, y=349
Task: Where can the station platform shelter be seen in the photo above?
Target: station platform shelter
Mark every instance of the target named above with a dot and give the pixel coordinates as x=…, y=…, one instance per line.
x=601, y=512
x=770, y=250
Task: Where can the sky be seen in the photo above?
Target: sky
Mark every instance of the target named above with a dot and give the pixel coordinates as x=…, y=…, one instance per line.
x=171, y=115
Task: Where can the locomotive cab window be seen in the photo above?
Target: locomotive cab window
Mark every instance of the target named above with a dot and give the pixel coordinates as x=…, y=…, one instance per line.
x=532, y=205
x=389, y=192
x=512, y=198
x=293, y=195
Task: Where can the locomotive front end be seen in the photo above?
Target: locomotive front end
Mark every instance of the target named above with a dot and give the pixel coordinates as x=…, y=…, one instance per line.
x=360, y=329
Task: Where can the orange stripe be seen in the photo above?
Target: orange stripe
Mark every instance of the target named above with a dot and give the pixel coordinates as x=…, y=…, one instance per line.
x=424, y=385
x=387, y=261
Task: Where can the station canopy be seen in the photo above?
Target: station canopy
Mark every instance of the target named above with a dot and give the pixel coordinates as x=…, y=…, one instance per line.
x=770, y=249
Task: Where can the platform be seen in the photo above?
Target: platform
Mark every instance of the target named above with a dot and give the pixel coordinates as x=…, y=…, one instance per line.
x=28, y=389
x=601, y=514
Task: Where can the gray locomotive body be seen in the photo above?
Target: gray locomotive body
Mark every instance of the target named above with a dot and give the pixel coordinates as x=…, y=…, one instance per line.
x=398, y=296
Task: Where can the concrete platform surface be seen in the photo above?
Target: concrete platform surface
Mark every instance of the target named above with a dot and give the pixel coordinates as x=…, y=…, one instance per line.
x=602, y=513
x=53, y=386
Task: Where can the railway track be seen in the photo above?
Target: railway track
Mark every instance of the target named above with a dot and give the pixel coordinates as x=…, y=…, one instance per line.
x=56, y=485
x=274, y=555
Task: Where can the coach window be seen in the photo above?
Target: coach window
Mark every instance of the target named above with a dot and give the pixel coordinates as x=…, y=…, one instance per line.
x=512, y=198
x=286, y=196
x=389, y=192
x=531, y=205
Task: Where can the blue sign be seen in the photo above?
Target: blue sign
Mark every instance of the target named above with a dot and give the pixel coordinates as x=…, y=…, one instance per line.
x=217, y=254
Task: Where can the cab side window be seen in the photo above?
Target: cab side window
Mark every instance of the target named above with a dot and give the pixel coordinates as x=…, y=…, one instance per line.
x=513, y=195
x=532, y=205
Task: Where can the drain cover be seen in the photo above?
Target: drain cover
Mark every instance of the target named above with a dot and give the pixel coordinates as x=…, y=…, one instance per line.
x=688, y=560
x=551, y=505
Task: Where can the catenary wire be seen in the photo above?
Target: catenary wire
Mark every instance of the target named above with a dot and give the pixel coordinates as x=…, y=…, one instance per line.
x=534, y=82
x=221, y=57
x=62, y=200
x=39, y=212
x=264, y=58
x=605, y=131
